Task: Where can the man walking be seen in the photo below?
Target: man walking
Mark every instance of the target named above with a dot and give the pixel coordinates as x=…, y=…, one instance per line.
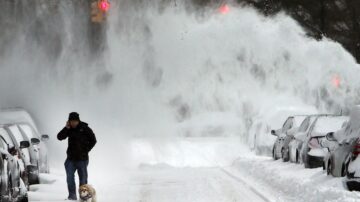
x=81, y=140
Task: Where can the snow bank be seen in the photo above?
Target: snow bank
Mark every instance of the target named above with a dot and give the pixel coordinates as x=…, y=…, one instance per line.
x=293, y=182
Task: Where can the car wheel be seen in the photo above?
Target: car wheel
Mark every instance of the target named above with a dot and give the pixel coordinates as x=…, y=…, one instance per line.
x=297, y=157
x=285, y=155
x=274, y=156
x=328, y=171
x=24, y=199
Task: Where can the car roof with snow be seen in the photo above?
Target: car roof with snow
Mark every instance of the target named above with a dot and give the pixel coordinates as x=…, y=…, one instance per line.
x=326, y=124
x=16, y=115
x=352, y=128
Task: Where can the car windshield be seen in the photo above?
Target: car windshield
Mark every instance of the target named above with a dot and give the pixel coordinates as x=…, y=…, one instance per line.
x=328, y=124
x=29, y=132
x=304, y=125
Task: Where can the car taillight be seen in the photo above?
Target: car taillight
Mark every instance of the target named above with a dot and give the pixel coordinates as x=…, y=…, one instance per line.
x=314, y=143
x=356, y=150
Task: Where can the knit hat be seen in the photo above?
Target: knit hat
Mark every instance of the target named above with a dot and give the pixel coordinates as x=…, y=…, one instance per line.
x=73, y=116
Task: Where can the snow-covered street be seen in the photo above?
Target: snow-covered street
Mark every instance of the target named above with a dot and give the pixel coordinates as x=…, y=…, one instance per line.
x=203, y=176
x=160, y=182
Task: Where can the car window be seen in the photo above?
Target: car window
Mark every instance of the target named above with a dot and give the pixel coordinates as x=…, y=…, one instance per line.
x=3, y=144
x=304, y=125
x=7, y=137
x=17, y=134
x=288, y=124
x=29, y=132
x=298, y=120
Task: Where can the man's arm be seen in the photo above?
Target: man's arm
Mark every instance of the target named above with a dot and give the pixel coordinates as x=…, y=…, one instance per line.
x=92, y=139
x=63, y=134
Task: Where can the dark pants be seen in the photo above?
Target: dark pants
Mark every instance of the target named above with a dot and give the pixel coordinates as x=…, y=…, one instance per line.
x=71, y=167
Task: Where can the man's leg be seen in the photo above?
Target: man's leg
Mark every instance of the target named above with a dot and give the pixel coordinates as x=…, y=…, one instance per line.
x=70, y=178
x=82, y=171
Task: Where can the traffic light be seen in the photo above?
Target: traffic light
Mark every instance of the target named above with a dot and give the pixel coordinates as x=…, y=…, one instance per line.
x=104, y=5
x=99, y=9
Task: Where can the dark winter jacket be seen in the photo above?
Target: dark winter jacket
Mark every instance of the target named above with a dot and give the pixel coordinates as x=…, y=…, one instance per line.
x=80, y=141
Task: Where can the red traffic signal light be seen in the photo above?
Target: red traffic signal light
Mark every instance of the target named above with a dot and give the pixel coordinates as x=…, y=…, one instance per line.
x=104, y=5
x=224, y=9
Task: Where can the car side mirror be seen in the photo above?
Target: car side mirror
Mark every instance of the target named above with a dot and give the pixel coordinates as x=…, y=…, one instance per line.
x=45, y=138
x=330, y=136
x=24, y=144
x=35, y=141
x=273, y=132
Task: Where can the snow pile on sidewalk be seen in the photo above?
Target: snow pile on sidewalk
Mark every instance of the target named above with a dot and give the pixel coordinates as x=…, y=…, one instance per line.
x=293, y=182
x=52, y=187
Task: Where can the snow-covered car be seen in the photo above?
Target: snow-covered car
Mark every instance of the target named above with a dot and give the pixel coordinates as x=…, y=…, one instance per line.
x=312, y=151
x=353, y=170
x=295, y=145
x=30, y=155
x=29, y=130
x=284, y=136
x=271, y=117
x=280, y=137
x=297, y=120
x=259, y=132
x=38, y=144
x=337, y=159
x=17, y=151
x=340, y=145
x=12, y=186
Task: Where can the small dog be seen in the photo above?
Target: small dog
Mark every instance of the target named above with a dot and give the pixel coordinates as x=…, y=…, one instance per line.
x=87, y=193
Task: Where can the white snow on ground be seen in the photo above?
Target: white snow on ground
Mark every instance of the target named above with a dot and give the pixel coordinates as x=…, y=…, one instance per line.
x=187, y=170
x=160, y=184
x=200, y=170
x=293, y=182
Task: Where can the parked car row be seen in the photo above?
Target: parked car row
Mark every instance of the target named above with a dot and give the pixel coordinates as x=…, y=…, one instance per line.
x=23, y=154
x=322, y=140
